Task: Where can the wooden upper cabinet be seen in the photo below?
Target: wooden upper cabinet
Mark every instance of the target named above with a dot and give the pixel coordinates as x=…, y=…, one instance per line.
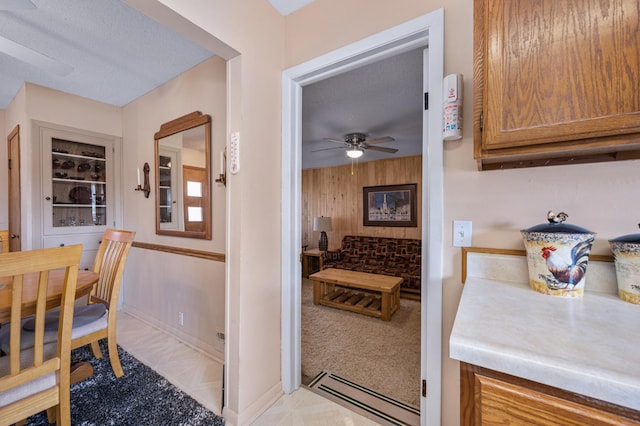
x=556, y=82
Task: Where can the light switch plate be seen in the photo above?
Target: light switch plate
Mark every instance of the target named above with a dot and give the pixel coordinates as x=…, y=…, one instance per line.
x=462, y=230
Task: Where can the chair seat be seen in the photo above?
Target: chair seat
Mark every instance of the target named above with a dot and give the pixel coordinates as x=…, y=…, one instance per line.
x=82, y=315
x=86, y=320
x=38, y=385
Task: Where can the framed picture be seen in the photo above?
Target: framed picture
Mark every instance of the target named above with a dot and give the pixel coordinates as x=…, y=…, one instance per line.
x=390, y=205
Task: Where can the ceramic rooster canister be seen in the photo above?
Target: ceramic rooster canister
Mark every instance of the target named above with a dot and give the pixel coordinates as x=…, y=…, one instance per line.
x=626, y=252
x=557, y=256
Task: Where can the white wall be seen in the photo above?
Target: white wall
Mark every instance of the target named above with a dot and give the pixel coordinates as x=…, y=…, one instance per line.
x=156, y=285
x=597, y=196
x=33, y=102
x=4, y=175
x=253, y=196
x=253, y=284
x=500, y=203
x=159, y=285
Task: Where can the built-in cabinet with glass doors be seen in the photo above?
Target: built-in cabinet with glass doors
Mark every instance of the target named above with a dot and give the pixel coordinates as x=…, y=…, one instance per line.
x=77, y=189
x=78, y=184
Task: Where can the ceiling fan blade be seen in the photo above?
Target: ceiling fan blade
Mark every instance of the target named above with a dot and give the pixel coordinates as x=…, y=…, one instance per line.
x=381, y=148
x=336, y=140
x=380, y=140
x=327, y=149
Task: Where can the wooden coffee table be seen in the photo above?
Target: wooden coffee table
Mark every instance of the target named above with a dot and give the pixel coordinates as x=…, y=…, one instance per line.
x=338, y=288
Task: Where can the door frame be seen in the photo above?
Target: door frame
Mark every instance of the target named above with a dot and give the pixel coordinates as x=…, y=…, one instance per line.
x=14, y=190
x=427, y=30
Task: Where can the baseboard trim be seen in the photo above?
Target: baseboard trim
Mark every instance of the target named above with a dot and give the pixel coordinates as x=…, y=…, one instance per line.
x=262, y=404
x=199, y=346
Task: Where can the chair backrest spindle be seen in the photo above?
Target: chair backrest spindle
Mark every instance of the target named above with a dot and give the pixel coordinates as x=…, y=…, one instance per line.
x=38, y=378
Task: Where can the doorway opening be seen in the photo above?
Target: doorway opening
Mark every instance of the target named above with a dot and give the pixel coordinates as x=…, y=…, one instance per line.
x=427, y=30
x=383, y=101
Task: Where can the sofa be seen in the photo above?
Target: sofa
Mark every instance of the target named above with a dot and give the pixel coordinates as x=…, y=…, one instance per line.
x=398, y=257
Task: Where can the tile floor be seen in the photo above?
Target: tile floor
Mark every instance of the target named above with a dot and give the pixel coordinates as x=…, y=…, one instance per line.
x=201, y=377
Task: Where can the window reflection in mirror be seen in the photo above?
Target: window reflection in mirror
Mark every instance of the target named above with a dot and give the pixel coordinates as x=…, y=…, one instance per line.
x=183, y=177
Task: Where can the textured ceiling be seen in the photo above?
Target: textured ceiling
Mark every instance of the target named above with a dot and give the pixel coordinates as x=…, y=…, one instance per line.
x=100, y=49
x=380, y=99
x=110, y=52
x=285, y=7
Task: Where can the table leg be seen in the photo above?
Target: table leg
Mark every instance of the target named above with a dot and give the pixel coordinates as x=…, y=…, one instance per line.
x=80, y=371
x=317, y=292
x=385, y=309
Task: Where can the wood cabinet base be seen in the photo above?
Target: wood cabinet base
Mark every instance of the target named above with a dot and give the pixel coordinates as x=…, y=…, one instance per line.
x=491, y=398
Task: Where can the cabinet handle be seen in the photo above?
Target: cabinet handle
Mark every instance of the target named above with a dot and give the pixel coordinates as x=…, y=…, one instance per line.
x=47, y=198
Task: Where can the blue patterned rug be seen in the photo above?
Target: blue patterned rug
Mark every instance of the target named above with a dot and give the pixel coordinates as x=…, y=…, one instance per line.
x=140, y=397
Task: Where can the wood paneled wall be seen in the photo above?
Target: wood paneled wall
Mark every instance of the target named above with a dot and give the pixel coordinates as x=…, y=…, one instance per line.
x=336, y=192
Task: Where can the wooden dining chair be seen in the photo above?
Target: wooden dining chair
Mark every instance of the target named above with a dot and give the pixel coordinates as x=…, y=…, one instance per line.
x=99, y=315
x=38, y=378
x=4, y=241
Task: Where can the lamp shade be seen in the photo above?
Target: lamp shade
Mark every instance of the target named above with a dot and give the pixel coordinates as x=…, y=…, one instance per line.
x=322, y=223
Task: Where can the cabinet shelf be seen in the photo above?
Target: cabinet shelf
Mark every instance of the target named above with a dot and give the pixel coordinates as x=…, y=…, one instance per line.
x=71, y=180
x=98, y=206
x=56, y=154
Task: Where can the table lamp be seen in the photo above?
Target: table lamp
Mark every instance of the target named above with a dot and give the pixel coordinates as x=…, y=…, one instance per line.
x=322, y=224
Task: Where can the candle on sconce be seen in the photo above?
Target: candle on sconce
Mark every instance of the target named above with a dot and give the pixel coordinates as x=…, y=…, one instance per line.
x=138, y=176
x=221, y=163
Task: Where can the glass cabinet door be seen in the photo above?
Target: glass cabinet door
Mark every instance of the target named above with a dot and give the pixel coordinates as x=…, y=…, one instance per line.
x=76, y=184
x=169, y=192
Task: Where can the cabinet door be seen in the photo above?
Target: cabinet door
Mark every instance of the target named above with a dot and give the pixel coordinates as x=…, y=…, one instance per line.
x=169, y=196
x=77, y=183
x=90, y=245
x=556, y=75
x=507, y=403
x=488, y=397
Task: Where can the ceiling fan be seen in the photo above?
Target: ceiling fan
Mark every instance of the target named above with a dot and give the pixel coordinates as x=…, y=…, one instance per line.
x=357, y=143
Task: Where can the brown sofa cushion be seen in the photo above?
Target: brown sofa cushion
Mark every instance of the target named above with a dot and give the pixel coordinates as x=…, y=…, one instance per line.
x=400, y=257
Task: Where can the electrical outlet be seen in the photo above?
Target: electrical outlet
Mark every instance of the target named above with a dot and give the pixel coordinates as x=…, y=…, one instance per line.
x=181, y=319
x=462, y=233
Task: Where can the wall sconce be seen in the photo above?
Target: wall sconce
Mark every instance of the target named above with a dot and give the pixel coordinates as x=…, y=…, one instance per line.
x=146, y=188
x=222, y=177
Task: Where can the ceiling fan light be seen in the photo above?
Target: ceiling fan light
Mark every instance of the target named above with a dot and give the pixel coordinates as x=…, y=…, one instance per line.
x=354, y=153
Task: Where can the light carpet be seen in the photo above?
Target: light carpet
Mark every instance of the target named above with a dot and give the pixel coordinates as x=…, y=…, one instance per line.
x=381, y=355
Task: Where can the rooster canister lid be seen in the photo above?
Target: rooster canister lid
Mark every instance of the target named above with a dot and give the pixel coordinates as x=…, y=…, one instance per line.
x=555, y=224
x=630, y=238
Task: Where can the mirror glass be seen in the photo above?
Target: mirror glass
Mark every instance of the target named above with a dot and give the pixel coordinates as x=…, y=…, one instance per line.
x=183, y=177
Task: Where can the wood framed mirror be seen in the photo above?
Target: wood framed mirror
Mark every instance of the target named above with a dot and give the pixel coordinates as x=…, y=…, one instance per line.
x=183, y=177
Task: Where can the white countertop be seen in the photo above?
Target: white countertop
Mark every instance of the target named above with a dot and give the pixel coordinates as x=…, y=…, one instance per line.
x=588, y=345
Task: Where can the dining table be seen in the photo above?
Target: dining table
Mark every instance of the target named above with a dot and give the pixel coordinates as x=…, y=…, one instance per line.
x=84, y=284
